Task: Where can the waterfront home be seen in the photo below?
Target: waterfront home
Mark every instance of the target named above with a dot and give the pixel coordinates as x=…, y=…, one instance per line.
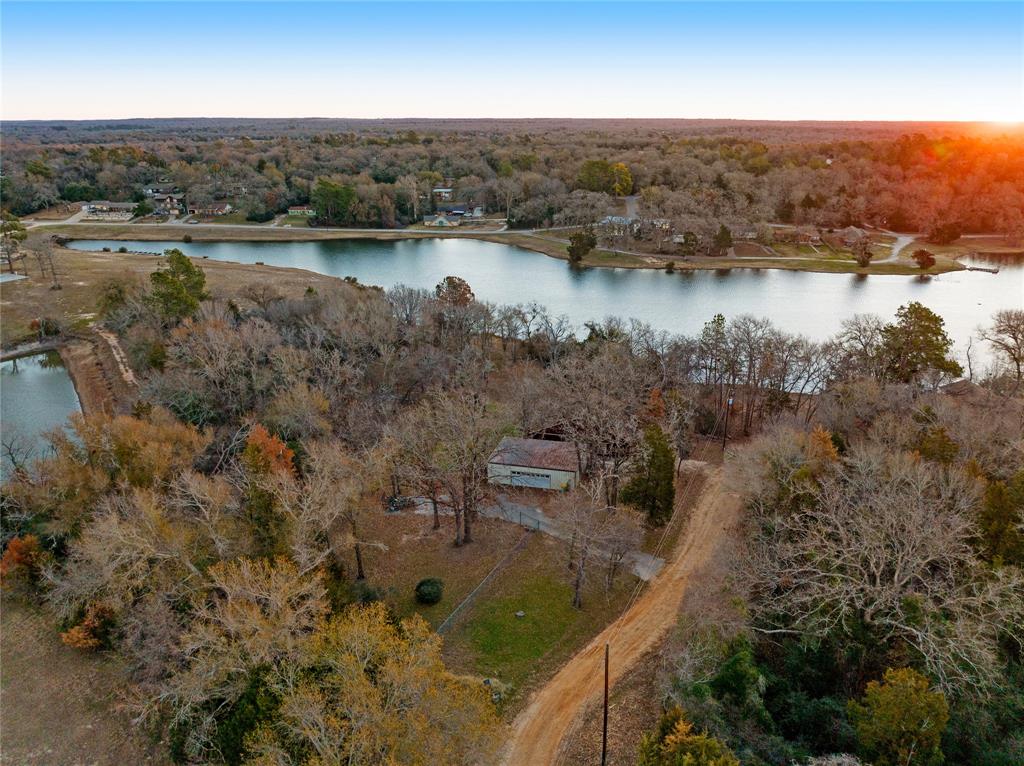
x=441, y=220
x=104, y=210
x=808, y=235
x=171, y=202
x=619, y=225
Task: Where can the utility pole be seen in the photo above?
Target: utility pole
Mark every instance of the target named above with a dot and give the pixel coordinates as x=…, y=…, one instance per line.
x=604, y=728
x=725, y=429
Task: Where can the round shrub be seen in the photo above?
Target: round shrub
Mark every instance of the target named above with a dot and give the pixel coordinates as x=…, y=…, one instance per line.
x=187, y=238
x=429, y=591
x=122, y=249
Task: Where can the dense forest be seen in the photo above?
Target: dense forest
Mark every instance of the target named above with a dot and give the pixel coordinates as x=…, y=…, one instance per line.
x=940, y=179
x=212, y=538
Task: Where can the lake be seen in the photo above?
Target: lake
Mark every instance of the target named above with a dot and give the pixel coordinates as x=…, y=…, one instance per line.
x=36, y=396
x=804, y=302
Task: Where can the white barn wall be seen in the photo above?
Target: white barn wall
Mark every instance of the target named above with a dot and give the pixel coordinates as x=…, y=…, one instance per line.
x=502, y=474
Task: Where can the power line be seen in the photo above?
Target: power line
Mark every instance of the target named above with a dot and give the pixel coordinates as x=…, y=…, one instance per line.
x=638, y=589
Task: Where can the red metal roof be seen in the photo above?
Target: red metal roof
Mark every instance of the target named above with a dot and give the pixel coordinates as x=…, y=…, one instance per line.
x=536, y=453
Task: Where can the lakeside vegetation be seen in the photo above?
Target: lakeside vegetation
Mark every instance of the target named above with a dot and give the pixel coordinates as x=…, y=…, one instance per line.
x=554, y=245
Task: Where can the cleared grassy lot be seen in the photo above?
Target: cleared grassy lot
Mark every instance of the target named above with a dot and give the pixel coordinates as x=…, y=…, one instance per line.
x=83, y=275
x=59, y=706
x=522, y=652
x=295, y=221
x=403, y=548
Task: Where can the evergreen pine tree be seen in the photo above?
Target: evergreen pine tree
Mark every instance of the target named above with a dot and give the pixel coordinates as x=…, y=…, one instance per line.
x=652, y=488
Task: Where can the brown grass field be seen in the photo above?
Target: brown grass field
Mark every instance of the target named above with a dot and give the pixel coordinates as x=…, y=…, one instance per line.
x=58, y=707
x=83, y=275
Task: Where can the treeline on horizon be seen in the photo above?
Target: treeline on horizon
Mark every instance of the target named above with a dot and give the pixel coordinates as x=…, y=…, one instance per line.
x=699, y=175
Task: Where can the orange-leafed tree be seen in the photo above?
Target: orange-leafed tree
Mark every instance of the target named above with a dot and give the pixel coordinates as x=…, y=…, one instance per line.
x=21, y=560
x=93, y=631
x=820, y=449
x=268, y=462
x=655, y=410
x=266, y=454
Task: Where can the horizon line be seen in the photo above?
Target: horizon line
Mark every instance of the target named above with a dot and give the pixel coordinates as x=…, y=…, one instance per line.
x=972, y=121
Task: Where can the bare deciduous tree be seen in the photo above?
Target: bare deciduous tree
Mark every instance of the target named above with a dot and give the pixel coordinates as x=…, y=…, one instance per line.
x=883, y=544
x=597, y=531
x=1007, y=337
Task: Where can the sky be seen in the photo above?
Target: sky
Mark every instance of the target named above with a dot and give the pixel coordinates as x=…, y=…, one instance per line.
x=762, y=60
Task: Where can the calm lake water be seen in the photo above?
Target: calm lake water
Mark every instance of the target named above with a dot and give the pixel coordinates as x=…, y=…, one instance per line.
x=812, y=304
x=36, y=396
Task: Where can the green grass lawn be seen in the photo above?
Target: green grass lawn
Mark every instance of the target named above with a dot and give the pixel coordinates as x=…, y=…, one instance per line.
x=508, y=646
x=522, y=652
x=295, y=221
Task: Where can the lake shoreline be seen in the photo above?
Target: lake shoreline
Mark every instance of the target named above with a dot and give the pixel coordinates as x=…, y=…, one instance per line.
x=528, y=240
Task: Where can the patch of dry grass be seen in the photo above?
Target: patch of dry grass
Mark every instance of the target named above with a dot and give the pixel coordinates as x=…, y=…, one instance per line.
x=58, y=705
x=84, y=274
x=403, y=548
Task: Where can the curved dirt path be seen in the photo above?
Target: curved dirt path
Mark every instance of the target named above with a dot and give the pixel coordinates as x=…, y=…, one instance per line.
x=538, y=731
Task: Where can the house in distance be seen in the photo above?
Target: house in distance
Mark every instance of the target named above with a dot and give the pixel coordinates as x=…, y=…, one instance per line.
x=534, y=463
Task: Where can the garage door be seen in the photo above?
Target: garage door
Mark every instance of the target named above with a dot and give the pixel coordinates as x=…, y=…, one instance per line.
x=531, y=479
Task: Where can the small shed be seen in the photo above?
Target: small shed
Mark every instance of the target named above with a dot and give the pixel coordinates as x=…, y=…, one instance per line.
x=536, y=463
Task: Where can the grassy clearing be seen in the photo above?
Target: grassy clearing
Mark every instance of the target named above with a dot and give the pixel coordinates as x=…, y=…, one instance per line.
x=234, y=218
x=486, y=638
x=83, y=275
x=556, y=248
x=962, y=247
x=489, y=640
x=58, y=705
x=295, y=221
x=404, y=549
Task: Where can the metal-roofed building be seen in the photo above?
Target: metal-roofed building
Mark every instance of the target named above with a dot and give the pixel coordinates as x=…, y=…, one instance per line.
x=534, y=463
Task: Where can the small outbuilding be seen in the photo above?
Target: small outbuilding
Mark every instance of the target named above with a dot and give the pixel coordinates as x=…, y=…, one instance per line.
x=534, y=463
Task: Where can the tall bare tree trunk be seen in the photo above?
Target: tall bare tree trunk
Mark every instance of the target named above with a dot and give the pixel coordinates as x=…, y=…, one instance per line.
x=360, y=574
x=467, y=536
x=458, y=526
x=577, y=594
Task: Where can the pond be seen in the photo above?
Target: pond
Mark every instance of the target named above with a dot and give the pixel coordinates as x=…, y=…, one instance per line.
x=36, y=396
x=808, y=303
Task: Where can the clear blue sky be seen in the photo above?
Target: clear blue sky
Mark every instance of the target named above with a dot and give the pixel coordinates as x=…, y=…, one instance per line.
x=917, y=60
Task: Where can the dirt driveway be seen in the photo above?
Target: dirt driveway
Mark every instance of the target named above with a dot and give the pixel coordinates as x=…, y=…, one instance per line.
x=538, y=731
